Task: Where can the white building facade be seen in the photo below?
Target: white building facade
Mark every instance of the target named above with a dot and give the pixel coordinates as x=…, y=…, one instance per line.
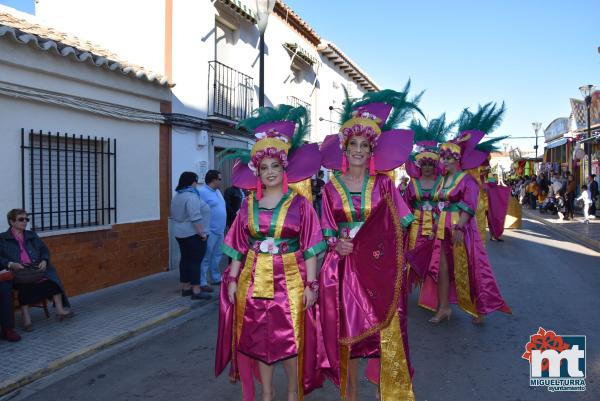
x=209, y=49
x=82, y=135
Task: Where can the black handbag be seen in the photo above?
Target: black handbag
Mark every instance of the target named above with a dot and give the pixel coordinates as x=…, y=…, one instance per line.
x=28, y=275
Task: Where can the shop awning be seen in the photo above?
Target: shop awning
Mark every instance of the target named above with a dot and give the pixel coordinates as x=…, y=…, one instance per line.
x=556, y=143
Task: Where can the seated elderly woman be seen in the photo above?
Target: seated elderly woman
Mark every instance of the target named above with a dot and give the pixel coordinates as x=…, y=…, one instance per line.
x=20, y=248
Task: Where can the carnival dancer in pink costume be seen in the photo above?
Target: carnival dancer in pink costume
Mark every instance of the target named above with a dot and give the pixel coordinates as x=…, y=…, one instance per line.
x=459, y=269
x=268, y=292
x=423, y=168
x=362, y=300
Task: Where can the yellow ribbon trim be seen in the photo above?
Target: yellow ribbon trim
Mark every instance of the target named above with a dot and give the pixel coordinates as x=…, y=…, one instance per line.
x=283, y=214
x=295, y=292
x=395, y=383
x=427, y=223
x=461, y=279
x=344, y=361
x=242, y=292
x=251, y=222
x=303, y=188
x=347, y=205
x=368, y=197
x=264, y=286
x=480, y=215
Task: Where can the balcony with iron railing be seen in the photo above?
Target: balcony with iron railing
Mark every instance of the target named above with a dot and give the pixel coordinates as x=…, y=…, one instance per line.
x=230, y=92
x=296, y=102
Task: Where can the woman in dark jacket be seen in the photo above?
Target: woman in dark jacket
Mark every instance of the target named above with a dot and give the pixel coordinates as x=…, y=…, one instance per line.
x=20, y=247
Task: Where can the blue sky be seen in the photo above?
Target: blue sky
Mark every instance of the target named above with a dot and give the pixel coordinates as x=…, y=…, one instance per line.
x=532, y=54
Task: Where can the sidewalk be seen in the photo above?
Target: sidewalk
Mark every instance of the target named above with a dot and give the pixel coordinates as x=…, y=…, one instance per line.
x=103, y=318
x=586, y=234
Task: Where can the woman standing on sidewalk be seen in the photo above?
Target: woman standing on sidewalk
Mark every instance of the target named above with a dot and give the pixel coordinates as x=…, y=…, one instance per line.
x=268, y=291
x=355, y=323
x=191, y=219
x=459, y=269
x=570, y=197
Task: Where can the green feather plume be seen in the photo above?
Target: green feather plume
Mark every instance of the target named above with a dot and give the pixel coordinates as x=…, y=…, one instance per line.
x=487, y=118
x=347, y=107
x=436, y=130
x=491, y=145
x=282, y=112
x=234, y=153
x=402, y=107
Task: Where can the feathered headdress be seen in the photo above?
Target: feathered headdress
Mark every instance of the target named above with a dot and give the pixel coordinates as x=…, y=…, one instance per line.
x=428, y=138
x=472, y=127
x=376, y=116
x=279, y=133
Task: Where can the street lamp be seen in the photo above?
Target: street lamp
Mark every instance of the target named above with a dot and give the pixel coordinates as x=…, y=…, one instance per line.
x=536, y=127
x=586, y=92
x=263, y=8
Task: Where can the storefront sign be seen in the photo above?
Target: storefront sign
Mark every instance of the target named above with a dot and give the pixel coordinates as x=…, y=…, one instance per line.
x=556, y=129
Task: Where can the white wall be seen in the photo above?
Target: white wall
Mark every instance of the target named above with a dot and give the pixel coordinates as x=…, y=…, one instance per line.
x=137, y=143
x=133, y=29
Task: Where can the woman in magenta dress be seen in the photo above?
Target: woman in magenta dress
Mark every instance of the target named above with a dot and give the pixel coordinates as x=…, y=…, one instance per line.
x=459, y=269
x=425, y=179
x=366, y=146
x=268, y=291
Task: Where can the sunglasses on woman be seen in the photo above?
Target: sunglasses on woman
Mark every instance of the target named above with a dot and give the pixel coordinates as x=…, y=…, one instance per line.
x=22, y=219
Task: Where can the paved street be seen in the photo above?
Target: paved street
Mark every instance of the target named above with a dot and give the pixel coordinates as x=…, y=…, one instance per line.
x=547, y=281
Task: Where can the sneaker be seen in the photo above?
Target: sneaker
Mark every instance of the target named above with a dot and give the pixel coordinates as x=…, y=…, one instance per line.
x=201, y=295
x=10, y=335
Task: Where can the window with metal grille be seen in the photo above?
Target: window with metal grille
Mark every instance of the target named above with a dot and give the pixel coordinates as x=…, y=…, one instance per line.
x=68, y=181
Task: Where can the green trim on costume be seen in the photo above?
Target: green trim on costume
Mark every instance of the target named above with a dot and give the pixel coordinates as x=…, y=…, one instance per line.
x=232, y=253
x=349, y=224
x=255, y=214
x=407, y=220
x=314, y=250
x=276, y=211
x=463, y=206
x=328, y=232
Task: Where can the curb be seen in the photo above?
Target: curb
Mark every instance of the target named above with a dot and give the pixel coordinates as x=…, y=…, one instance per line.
x=14, y=383
x=582, y=240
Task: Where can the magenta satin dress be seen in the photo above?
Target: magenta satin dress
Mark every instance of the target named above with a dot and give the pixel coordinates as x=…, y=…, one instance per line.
x=424, y=208
x=472, y=283
x=342, y=212
x=268, y=322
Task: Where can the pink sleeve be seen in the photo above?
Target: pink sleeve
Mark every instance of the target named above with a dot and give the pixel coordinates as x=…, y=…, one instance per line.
x=406, y=217
x=409, y=194
x=470, y=195
x=328, y=223
x=311, y=238
x=236, y=243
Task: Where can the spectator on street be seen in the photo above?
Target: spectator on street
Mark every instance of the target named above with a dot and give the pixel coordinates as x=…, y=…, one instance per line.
x=316, y=185
x=211, y=194
x=233, y=201
x=191, y=219
x=21, y=249
x=570, y=197
x=593, y=188
x=533, y=190
x=586, y=198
